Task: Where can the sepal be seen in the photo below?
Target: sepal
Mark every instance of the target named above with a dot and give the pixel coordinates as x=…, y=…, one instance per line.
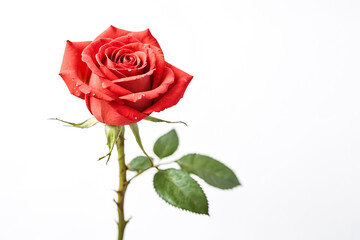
x=85, y=124
x=112, y=135
x=153, y=119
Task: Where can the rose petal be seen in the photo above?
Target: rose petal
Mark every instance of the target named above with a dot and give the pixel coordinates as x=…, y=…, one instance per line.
x=87, y=90
x=128, y=112
x=114, y=71
x=111, y=45
x=143, y=36
x=127, y=39
x=110, y=73
x=174, y=93
x=141, y=58
x=123, y=69
x=89, y=53
x=139, y=83
x=141, y=104
x=168, y=79
x=160, y=66
x=101, y=60
x=113, y=55
x=115, y=88
x=73, y=70
x=138, y=47
x=112, y=113
x=76, y=73
x=106, y=87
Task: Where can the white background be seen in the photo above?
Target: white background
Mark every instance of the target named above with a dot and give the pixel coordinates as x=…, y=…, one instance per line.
x=275, y=97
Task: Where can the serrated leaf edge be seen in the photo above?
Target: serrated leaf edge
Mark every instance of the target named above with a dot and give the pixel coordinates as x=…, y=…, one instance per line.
x=133, y=170
x=178, y=143
x=184, y=209
x=230, y=188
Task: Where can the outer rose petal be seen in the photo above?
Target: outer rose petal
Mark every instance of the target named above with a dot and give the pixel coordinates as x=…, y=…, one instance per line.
x=102, y=87
x=175, y=92
x=143, y=36
x=112, y=113
x=88, y=55
x=168, y=79
x=73, y=70
x=76, y=74
x=160, y=66
x=112, y=87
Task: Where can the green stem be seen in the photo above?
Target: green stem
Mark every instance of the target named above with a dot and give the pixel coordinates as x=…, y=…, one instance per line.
x=154, y=166
x=122, y=185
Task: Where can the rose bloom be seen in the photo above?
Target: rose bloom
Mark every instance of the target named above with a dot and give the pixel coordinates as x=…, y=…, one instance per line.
x=122, y=76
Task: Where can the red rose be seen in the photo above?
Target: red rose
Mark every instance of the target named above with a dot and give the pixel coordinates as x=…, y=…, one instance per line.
x=122, y=76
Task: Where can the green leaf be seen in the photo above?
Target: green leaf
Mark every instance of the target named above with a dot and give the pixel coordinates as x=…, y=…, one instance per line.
x=139, y=163
x=212, y=171
x=153, y=119
x=166, y=144
x=85, y=124
x=112, y=135
x=177, y=188
x=135, y=129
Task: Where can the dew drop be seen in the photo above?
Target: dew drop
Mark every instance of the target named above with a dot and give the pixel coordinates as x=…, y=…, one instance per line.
x=135, y=118
x=104, y=85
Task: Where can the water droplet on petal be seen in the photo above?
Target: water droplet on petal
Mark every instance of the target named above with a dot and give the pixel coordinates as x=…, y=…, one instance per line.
x=77, y=84
x=104, y=85
x=135, y=118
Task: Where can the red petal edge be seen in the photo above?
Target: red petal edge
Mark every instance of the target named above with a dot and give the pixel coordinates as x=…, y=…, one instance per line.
x=73, y=70
x=143, y=36
x=112, y=113
x=175, y=92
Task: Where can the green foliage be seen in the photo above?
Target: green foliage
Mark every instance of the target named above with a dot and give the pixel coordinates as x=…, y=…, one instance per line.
x=139, y=163
x=112, y=135
x=166, y=144
x=135, y=129
x=153, y=119
x=85, y=124
x=177, y=188
x=210, y=170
